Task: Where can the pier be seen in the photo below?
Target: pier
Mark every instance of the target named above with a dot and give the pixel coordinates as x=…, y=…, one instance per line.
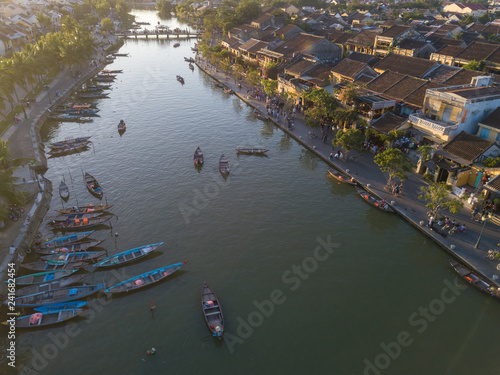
x=157, y=34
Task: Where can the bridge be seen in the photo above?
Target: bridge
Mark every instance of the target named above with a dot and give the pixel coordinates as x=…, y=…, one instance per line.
x=160, y=34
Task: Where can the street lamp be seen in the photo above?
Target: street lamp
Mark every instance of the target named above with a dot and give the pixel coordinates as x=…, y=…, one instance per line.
x=484, y=219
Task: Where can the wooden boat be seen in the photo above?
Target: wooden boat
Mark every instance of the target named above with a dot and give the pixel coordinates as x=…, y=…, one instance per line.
x=66, y=217
x=341, y=177
x=63, y=190
x=70, y=149
x=475, y=279
x=380, y=204
x=261, y=116
x=66, y=294
x=50, y=265
x=180, y=79
x=229, y=91
x=212, y=311
x=248, y=150
x=65, y=146
x=191, y=66
x=42, y=277
x=76, y=247
x=107, y=71
x=69, y=141
x=145, y=279
x=51, y=285
x=78, y=224
x=95, y=95
x=69, y=118
x=127, y=256
x=218, y=84
x=100, y=87
x=79, y=112
x=198, y=157
x=125, y=54
x=84, y=208
x=39, y=319
x=122, y=126
x=189, y=59
x=63, y=241
x=74, y=257
x=93, y=185
x=223, y=165
x=194, y=49
x=105, y=76
x=177, y=45
x=61, y=306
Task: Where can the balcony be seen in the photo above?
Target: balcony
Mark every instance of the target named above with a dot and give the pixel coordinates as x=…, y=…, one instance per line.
x=433, y=127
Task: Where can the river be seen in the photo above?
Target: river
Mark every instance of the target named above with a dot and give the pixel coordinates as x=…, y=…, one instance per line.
x=310, y=279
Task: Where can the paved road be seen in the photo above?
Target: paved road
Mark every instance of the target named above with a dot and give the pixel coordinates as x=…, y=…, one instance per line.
x=366, y=172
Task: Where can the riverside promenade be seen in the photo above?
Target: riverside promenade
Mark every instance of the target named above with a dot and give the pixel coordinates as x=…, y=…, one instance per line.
x=25, y=142
x=368, y=174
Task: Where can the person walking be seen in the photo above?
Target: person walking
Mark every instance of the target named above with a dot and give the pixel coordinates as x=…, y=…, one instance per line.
x=431, y=222
x=400, y=189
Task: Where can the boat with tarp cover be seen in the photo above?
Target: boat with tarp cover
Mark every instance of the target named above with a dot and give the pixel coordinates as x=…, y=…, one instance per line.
x=38, y=319
x=42, y=277
x=127, y=256
x=62, y=241
x=212, y=311
x=67, y=294
x=51, y=285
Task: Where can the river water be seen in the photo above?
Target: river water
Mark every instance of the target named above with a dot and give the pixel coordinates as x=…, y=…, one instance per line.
x=310, y=278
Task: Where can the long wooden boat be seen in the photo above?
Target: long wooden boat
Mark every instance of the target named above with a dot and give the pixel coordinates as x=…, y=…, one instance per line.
x=189, y=59
x=63, y=241
x=107, y=71
x=261, y=116
x=39, y=319
x=228, y=90
x=51, y=285
x=60, y=306
x=74, y=257
x=93, y=185
x=93, y=95
x=42, y=277
x=218, y=84
x=63, y=190
x=69, y=141
x=475, y=280
x=180, y=79
x=79, y=224
x=105, y=75
x=198, y=156
x=66, y=217
x=69, y=118
x=191, y=66
x=73, y=248
x=381, y=204
x=176, y=45
x=249, y=150
x=84, y=208
x=53, y=265
x=69, y=149
x=223, y=165
x=67, y=294
x=66, y=146
x=342, y=177
x=89, y=88
x=145, y=279
x=127, y=256
x=212, y=311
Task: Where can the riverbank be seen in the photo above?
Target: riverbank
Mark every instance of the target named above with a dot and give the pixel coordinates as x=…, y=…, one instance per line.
x=368, y=175
x=25, y=142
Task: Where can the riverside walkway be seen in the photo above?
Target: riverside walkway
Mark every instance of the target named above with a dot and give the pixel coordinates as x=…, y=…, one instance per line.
x=407, y=205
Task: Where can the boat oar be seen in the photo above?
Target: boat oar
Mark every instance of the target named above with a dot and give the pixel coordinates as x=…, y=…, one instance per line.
x=204, y=339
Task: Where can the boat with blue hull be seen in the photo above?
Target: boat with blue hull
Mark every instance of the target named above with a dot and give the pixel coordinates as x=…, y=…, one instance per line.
x=38, y=319
x=127, y=256
x=51, y=285
x=74, y=257
x=145, y=279
x=42, y=277
x=61, y=306
x=62, y=241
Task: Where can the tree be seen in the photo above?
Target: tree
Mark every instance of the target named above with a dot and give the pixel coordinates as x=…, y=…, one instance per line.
x=437, y=197
x=270, y=86
x=474, y=65
x=253, y=78
x=395, y=163
x=349, y=94
x=45, y=22
x=393, y=135
x=350, y=139
x=107, y=25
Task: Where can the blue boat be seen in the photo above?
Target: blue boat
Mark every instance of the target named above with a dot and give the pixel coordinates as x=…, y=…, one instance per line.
x=61, y=295
x=39, y=319
x=61, y=241
x=60, y=306
x=127, y=256
x=42, y=277
x=145, y=279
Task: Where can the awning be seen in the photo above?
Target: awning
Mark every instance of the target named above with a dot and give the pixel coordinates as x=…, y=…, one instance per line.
x=447, y=165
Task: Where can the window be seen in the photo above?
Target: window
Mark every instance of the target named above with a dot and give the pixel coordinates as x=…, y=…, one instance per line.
x=485, y=133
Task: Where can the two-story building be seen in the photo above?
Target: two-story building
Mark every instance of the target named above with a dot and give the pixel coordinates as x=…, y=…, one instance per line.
x=385, y=42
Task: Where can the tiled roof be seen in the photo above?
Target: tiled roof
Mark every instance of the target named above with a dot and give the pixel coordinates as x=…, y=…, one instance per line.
x=297, y=44
x=472, y=6
x=404, y=87
x=348, y=68
x=253, y=46
x=299, y=66
x=451, y=51
x=361, y=57
x=477, y=51
x=263, y=18
x=493, y=119
x=467, y=146
x=339, y=37
x=412, y=66
x=462, y=77
x=286, y=29
x=474, y=92
x=494, y=57
x=417, y=97
x=477, y=27
x=387, y=123
x=363, y=79
x=494, y=184
x=491, y=29
x=384, y=81
x=411, y=44
x=442, y=73
x=364, y=38
x=395, y=31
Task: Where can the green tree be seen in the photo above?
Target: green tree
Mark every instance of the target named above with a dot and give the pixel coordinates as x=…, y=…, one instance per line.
x=395, y=163
x=107, y=25
x=474, y=65
x=349, y=94
x=270, y=86
x=350, y=139
x=253, y=78
x=45, y=22
x=437, y=197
